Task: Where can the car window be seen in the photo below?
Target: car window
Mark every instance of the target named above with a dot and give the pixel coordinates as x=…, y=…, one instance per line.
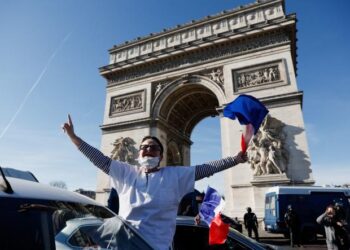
x=194, y=237
x=21, y=229
x=44, y=224
x=111, y=233
x=82, y=236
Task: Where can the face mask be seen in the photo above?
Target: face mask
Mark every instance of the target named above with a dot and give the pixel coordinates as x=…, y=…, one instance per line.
x=149, y=162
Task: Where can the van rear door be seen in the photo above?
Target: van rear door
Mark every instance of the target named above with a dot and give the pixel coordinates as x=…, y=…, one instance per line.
x=270, y=212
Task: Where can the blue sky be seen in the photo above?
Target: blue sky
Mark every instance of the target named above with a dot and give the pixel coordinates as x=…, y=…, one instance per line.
x=50, y=52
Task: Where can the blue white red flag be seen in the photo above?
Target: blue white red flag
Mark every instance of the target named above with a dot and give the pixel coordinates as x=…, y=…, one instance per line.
x=210, y=212
x=250, y=112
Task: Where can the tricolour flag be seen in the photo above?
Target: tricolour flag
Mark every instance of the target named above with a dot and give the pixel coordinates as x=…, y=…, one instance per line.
x=210, y=212
x=250, y=112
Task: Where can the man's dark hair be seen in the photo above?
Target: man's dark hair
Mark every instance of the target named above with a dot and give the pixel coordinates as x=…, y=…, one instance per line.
x=156, y=140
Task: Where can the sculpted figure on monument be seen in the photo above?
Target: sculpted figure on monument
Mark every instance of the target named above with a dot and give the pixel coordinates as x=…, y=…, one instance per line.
x=266, y=153
x=124, y=150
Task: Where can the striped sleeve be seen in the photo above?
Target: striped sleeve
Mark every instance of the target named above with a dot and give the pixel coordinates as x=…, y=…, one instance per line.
x=210, y=168
x=96, y=157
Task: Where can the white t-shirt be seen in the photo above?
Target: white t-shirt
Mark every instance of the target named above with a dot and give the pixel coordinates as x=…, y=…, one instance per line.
x=150, y=201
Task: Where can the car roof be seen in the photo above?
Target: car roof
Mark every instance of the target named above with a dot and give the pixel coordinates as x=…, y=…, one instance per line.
x=34, y=190
x=306, y=190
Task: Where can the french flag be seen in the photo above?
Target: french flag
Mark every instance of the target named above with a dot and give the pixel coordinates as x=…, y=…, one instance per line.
x=250, y=112
x=210, y=212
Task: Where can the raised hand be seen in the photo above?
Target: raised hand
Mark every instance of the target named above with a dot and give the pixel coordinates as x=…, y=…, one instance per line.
x=241, y=157
x=69, y=129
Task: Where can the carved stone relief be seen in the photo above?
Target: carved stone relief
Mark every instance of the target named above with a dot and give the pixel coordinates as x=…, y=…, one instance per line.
x=215, y=75
x=126, y=104
x=266, y=152
x=267, y=75
x=125, y=150
x=206, y=55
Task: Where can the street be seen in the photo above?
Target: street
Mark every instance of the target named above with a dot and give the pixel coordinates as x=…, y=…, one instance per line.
x=279, y=242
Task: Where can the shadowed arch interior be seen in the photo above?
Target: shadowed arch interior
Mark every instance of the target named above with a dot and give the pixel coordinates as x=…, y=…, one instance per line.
x=188, y=105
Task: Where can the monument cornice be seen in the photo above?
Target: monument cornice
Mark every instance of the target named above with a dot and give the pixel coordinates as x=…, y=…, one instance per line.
x=275, y=101
x=242, y=16
x=202, y=55
x=126, y=61
x=281, y=100
x=121, y=126
x=142, y=123
x=228, y=35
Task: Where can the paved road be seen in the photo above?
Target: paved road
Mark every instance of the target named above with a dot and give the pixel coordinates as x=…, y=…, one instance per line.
x=279, y=242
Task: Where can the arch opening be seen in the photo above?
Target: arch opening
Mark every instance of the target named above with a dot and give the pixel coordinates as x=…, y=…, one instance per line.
x=188, y=105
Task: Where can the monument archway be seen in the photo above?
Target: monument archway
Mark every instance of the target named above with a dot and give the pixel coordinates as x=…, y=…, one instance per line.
x=165, y=83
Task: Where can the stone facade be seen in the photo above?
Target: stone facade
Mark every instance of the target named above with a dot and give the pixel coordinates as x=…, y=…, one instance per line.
x=165, y=83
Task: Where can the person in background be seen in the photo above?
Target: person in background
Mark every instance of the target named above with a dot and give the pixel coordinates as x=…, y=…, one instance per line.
x=190, y=203
x=251, y=223
x=149, y=194
x=292, y=222
x=328, y=220
x=343, y=228
x=113, y=201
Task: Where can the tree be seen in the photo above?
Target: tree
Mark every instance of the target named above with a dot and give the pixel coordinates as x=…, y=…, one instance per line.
x=58, y=184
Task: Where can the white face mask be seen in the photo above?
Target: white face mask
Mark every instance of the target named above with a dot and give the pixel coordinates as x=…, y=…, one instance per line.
x=149, y=162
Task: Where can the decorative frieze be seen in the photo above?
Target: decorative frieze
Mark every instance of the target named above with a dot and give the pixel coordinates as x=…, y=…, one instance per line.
x=201, y=56
x=213, y=25
x=261, y=76
x=129, y=103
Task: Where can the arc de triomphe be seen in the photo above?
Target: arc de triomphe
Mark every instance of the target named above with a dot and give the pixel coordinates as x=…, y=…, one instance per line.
x=165, y=83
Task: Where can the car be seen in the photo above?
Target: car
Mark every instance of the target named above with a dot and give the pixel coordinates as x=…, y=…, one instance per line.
x=79, y=232
x=38, y=216
x=35, y=216
x=188, y=235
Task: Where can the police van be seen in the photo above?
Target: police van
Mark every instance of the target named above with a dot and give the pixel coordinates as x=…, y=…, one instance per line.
x=308, y=202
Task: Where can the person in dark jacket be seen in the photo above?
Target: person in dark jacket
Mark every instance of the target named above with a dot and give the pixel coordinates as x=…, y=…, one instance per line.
x=342, y=231
x=292, y=222
x=113, y=201
x=251, y=223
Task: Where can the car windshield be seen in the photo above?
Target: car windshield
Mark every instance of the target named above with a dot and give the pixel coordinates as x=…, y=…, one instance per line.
x=94, y=227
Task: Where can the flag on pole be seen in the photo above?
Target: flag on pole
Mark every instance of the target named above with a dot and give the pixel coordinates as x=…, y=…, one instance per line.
x=210, y=212
x=250, y=112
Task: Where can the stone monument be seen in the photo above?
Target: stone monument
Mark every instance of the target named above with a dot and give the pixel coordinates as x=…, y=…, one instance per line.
x=163, y=84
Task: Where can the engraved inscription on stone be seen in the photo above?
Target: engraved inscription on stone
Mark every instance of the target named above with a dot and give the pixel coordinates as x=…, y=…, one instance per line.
x=125, y=104
x=260, y=76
